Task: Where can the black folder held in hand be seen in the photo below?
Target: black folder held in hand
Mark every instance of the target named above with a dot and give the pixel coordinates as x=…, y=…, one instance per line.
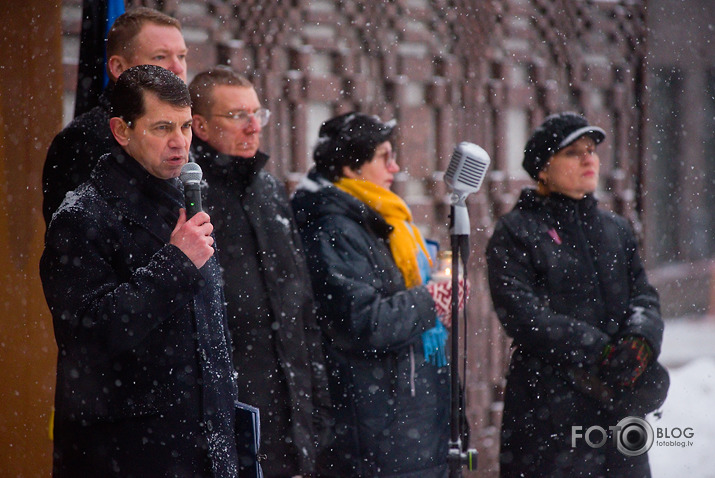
x=248, y=439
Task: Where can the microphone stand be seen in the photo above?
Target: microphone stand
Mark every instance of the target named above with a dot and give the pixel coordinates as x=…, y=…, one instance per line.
x=459, y=238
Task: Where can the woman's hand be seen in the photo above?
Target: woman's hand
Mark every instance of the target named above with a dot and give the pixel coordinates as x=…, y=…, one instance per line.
x=441, y=293
x=625, y=361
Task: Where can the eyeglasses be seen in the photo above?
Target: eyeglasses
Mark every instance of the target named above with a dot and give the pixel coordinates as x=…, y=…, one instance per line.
x=388, y=157
x=242, y=118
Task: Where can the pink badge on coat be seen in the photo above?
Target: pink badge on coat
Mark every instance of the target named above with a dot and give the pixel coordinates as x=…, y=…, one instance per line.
x=555, y=236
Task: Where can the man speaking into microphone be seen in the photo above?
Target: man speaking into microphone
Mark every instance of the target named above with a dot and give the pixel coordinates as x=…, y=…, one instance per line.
x=145, y=383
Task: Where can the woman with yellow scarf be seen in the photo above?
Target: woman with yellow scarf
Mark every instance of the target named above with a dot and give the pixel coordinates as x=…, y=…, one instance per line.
x=378, y=315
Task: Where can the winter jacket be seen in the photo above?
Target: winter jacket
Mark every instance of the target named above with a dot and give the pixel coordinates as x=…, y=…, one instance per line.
x=74, y=152
x=277, y=352
x=145, y=383
x=391, y=406
x=565, y=279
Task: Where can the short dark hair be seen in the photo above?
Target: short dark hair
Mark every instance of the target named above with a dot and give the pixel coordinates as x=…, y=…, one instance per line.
x=120, y=38
x=201, y=87
x=349, y=140
x=128, y=95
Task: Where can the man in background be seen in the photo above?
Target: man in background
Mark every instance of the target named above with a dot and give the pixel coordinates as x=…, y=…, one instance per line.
x=277, y=351
x=145, y=384
x=141, y=36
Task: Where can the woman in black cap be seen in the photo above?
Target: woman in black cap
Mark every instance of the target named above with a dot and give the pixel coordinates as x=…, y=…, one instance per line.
x=570, y=289
x=368, y=261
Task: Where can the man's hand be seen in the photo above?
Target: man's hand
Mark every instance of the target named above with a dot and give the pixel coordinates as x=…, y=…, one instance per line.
x=193, y=237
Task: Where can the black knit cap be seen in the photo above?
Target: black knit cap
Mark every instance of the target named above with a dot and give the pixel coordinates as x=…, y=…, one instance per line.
x=554, y=134
x=349, y=140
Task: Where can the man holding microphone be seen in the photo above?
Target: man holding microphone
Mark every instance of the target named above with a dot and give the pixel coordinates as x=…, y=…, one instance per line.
x=145, y=385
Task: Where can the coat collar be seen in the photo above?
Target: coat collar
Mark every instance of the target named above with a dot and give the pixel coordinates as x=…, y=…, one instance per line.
x=233, y=169
x=138, y=196
x=316, y=196
x=561, y=208
x=105, y=99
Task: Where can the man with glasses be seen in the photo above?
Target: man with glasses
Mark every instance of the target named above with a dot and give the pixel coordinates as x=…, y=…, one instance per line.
x=277, y=350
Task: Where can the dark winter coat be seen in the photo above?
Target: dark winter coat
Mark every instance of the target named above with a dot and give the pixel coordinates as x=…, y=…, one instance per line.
x=391, y=407
x=277, y=349
x=145, y=382
x=74, y=152
x=566, y=280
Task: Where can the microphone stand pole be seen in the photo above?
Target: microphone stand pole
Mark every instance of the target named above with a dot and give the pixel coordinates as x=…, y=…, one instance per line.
x=459, y=238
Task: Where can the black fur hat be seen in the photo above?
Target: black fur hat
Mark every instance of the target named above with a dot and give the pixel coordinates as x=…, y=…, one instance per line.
x=349, y=140
x=555, y=133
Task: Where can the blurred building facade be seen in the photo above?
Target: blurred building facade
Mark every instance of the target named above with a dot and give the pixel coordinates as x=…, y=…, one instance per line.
x=678, y=194
x=487, y=72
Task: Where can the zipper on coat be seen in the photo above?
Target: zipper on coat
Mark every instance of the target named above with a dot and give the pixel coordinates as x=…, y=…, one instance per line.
x=413, y=390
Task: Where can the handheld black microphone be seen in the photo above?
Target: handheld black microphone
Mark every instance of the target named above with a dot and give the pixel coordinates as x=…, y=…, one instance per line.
x=191, y=178
x=464, y=176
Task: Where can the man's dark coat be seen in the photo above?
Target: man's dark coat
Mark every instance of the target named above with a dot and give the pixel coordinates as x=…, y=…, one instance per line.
x=277, y=349
x=73, y=154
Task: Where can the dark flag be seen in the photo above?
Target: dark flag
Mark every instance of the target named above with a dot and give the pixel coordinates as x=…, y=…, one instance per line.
x=97, y=17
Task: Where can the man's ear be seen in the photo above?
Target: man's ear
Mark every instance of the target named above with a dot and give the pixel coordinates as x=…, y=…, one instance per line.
x=200, y=125
x=120, y=130
x=116, y=64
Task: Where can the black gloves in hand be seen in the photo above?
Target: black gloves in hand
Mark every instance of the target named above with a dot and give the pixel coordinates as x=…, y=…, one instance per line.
x=625, y=361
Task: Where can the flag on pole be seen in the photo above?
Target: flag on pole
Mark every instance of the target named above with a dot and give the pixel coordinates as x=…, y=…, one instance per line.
x=114, y=9
x=97, y=18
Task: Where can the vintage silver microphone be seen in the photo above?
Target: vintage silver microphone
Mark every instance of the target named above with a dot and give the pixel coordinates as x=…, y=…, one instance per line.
x=464, y=176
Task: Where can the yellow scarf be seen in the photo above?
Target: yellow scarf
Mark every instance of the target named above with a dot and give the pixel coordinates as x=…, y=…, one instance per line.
x=405, y=238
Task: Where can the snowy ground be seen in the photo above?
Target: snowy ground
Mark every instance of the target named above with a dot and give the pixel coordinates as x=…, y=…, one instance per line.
x=689, y=355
